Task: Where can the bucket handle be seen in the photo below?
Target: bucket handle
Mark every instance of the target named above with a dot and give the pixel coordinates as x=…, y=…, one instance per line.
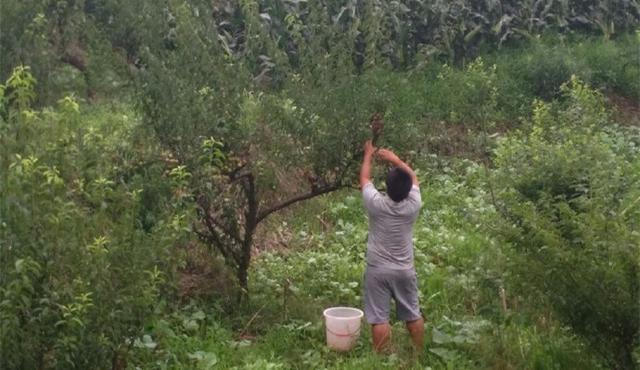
x=344, y=335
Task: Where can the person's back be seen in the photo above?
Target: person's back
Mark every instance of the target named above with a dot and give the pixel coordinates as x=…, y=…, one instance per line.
x=390, y=271
x=390, y=241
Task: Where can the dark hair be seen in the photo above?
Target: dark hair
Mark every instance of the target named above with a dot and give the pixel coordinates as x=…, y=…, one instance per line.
x=399, y=184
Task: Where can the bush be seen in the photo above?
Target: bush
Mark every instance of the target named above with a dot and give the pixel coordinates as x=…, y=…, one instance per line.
x=539, y=69
x=544, y=69
x=79, y=273
x=609, y=65
x=468, y=95
x=569, y=214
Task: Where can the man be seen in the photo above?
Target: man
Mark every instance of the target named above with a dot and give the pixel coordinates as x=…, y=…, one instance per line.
x=390, y=272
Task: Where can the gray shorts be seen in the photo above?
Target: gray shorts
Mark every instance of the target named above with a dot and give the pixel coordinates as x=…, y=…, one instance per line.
x=380, y=285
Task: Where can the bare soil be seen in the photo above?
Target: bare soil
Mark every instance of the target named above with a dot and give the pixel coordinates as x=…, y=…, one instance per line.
x=626, y=110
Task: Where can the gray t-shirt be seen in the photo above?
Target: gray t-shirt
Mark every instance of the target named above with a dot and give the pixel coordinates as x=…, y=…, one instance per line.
x=390, y=241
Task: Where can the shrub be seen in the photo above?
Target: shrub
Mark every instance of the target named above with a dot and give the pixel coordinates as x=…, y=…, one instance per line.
x=79, y=273
x=539, y=69
x=609, y=65
x=468, y=95
x=568, y=199
x=545, y=69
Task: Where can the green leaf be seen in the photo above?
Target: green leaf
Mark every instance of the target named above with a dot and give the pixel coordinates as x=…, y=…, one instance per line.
x=198, y=315
x=208, y=361
x=445, y=354
x=440, y=337
x=190, y=325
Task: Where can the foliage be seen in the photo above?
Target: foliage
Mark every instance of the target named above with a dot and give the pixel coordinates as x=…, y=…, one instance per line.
x=206, y=119
x=79, y=272
x=550, y=61
x=62, y=44
x=525, y=347
x=91, y=45
x=569, y=187
x=469, y=95
x=607, y=66
x=399, y=33
x=279, y=147
x=459, y=271
x=248, y=117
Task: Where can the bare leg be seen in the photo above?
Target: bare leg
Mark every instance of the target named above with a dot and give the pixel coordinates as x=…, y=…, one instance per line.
x=381, y=334
x=416, y=330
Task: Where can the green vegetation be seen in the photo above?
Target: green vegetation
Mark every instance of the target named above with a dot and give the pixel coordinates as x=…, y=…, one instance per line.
x=178, y=180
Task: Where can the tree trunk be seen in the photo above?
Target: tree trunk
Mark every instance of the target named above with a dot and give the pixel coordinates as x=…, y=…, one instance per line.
x=243, y=280
x=251, y=217
x=243, y=267
x=215, y=232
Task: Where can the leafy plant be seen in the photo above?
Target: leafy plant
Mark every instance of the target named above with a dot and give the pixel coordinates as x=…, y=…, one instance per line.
x=561, y=179
x=75, y=258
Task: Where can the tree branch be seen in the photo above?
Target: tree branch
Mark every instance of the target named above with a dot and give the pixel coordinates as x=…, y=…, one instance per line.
x=314, y=193
x=208, y=219
x=215, y=237
x=251, y=215
x=235, y=173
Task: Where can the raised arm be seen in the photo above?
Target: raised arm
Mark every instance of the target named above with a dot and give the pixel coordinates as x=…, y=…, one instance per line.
x=365, y=170
x=392, y=158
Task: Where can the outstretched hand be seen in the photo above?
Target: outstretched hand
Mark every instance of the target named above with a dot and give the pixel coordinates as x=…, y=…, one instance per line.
x=391, y=157
x=388, y=155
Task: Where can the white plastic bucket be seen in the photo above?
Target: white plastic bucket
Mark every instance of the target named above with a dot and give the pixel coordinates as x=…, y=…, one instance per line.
x=343, y=327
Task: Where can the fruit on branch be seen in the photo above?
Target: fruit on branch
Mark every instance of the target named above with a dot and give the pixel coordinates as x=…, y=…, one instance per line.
x=377, y=125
